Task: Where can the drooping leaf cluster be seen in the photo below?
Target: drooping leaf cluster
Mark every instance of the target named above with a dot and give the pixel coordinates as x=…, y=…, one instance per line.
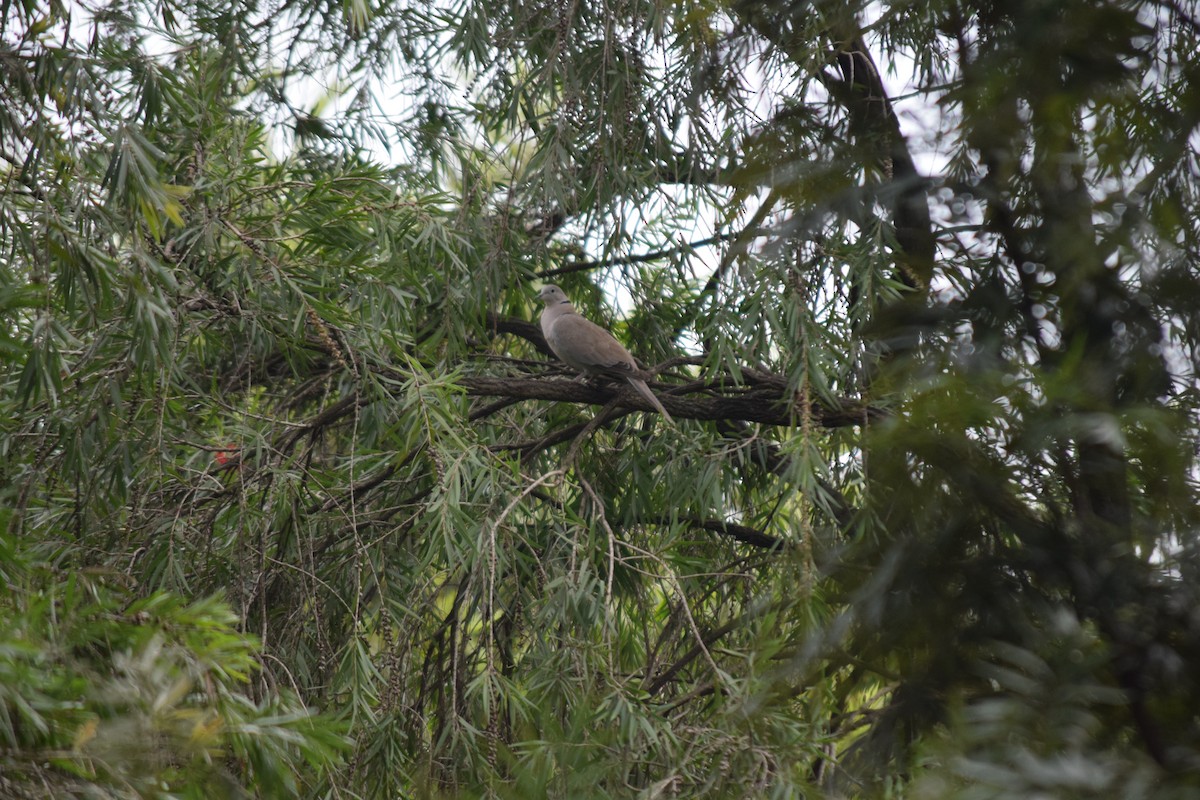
x=107, y=692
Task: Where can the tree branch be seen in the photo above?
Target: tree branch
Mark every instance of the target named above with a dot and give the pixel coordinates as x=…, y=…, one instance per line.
x=872, y=121
x=639, y=258
x=768, y=405
x=741, y=533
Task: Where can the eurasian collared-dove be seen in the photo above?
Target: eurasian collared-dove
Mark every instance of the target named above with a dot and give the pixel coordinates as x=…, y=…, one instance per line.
x=589, y=348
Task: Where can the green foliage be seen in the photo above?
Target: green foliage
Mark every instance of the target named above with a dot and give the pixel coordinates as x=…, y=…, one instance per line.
x=266, y=274
x=105, y=693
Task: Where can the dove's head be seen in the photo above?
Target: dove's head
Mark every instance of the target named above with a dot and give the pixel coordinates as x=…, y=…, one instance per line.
x=552, y=295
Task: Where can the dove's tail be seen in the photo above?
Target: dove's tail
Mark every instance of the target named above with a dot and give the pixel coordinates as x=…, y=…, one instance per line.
x=644, y=391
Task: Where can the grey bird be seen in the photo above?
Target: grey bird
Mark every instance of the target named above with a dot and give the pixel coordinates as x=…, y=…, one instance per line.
x=587, y=347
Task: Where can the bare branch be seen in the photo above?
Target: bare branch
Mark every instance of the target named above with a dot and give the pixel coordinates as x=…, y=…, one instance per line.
x=640, y=258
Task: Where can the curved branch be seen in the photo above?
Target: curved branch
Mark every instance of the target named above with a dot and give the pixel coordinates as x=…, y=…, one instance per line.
x=639, y=258
x=519, y=327
x=875, y=126
x=741, y=533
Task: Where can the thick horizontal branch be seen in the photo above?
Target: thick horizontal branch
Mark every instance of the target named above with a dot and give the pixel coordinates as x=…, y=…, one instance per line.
x=768, y=399
x=768, y=405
